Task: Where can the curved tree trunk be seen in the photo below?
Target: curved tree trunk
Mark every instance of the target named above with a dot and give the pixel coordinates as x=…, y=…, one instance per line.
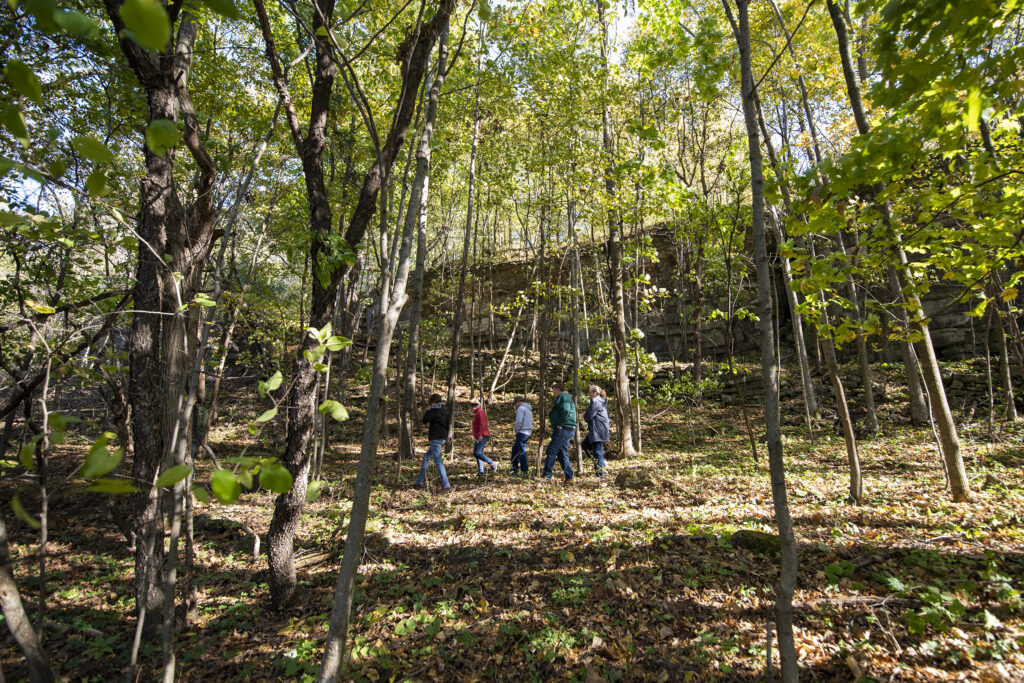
x=949, y=441
x=390, y=309
x=17, y=620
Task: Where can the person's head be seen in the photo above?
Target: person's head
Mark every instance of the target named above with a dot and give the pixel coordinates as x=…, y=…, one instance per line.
x=594, y=390
x=557, y=388
x=518, y=401
x=435, y=398
x=474, y=404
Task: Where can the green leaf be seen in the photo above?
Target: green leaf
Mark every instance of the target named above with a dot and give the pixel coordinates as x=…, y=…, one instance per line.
x=92, y=149
x=337, y=343
x=275, y=381
x=275, y=477
x=161, y=135
x=226, y=488
x=27, y=456
x=895, y=584
x=24, y=80
x=57, y=168
x=225, y=8
x=42, y=309
x=203, y=299
x=172, y=476
x=314, y=490
x=20, y=513
x=76, y=24
x=43, y=11
x=14, y=122
x=268, y=415
x=100, y=461
x=115, y=486
x=991, y=621
x=484, y=10
x=334, y=409
x=973, y=114
x=96, y=183
x=201, y=494
x=148, y=23
x=315, y=354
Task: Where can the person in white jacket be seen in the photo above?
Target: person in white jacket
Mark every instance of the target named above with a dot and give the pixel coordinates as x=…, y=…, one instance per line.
x=523, y=429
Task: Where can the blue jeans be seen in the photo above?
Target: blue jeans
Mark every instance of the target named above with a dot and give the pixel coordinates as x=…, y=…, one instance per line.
x=433, y=454
x=594, y=449
x=478, y=453
x=559, y=447
x=519, y=459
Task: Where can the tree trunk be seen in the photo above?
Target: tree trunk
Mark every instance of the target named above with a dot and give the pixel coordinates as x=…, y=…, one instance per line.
x=417, y=211
x=1004, y=370
x=623, y=402
x=390, y=309
x=459, y=313
x=175, y=239
x=843, y=409
x=770, y=375
x=17, y=620
x=866, y=377
x=949, y=442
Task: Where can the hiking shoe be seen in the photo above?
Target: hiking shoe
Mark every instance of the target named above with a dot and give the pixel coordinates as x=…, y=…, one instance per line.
x=570, y=480
x=494, y=467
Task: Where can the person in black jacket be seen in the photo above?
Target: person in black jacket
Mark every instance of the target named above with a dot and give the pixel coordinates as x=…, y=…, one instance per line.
x=436, y=418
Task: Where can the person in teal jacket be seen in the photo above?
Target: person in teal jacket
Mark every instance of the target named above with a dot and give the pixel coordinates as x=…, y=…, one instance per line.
x=563, y=426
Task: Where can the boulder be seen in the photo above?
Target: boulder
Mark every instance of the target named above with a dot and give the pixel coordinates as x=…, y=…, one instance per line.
x=756, y=541
x=635, y=480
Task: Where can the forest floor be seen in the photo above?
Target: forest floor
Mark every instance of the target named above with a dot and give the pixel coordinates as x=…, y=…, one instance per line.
x=513, y=579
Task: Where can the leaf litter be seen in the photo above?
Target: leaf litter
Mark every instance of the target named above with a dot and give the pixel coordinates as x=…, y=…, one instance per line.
x=516, y=579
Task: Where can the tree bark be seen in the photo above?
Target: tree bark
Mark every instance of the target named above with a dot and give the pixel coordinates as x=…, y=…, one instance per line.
x=459, y=313
x=390, y=309
x=173, y=239
x=16, y=618
x=623, y=402
x=949, y=441
x=1004, y=369
x=770, y=375
x=417, y=211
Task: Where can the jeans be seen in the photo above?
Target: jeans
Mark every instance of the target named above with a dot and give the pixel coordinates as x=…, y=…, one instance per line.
x=519, y=459
x=595, y=450
x=478, y=453
x=433, y=454
x=559, y=447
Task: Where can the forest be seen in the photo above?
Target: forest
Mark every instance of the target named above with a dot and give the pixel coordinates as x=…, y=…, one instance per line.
x=591, y=340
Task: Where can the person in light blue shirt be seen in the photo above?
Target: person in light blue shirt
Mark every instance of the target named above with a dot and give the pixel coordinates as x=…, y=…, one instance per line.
x=523, y=430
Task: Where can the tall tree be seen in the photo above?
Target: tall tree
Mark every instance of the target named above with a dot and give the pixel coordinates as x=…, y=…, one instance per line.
x=949, y=441
x=624, y=407
x=175, y=242
x=414, y=67
x=769, y=364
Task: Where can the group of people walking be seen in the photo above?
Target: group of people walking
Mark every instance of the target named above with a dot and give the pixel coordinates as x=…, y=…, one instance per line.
x=563, y=421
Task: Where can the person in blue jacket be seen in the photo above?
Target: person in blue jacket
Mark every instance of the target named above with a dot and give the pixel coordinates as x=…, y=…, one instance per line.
x=596, y=417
